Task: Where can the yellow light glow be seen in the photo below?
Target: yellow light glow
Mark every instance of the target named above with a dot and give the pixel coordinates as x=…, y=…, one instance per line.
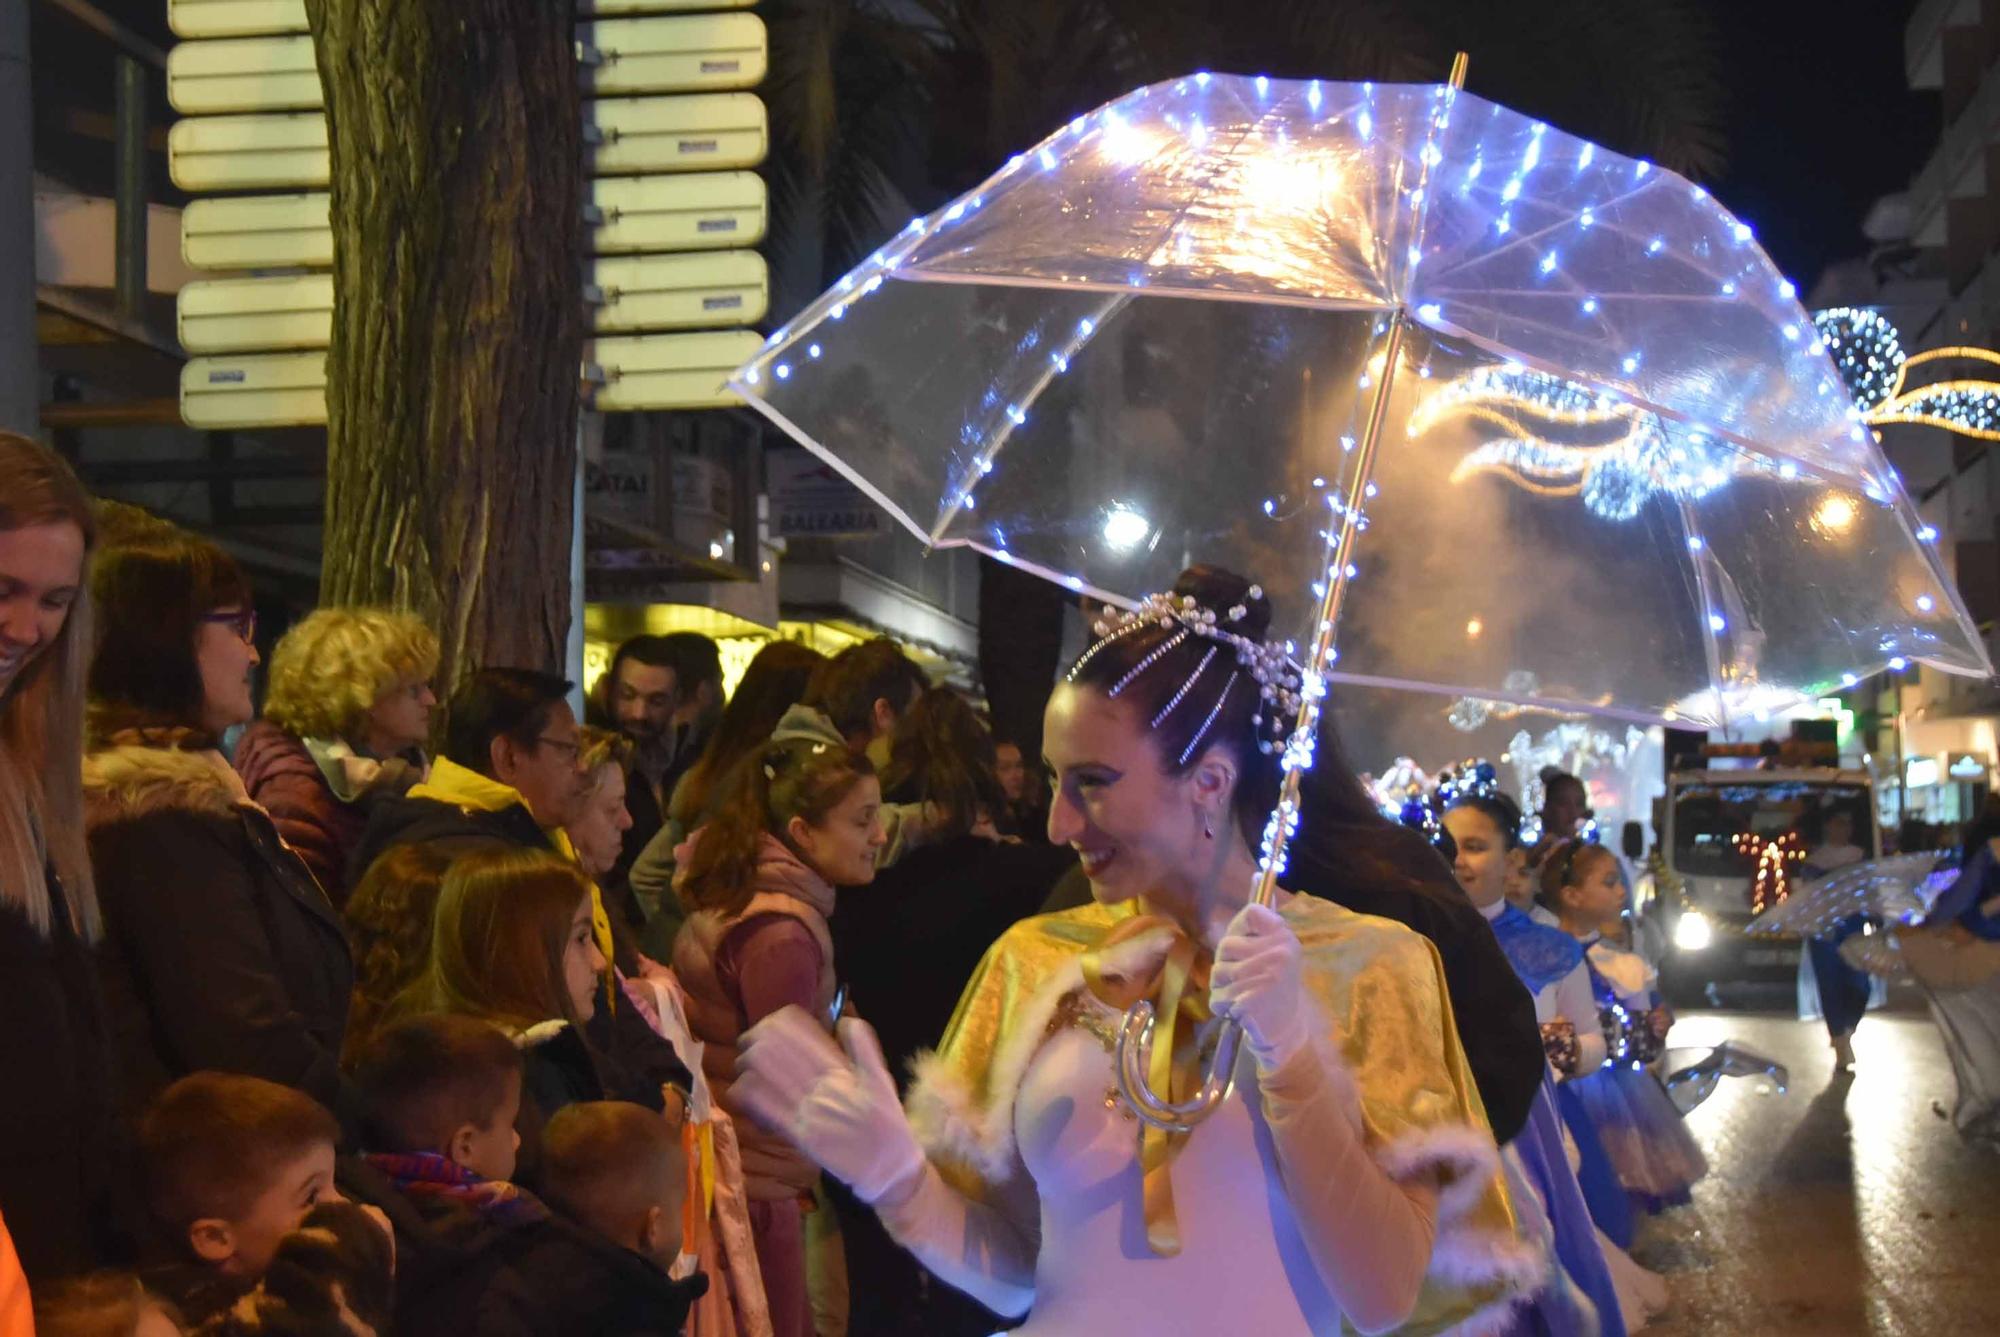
x=1836, y=513
x=1474, y=628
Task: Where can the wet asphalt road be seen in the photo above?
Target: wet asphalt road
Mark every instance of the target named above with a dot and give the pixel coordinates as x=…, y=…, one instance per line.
x=1844, y=1205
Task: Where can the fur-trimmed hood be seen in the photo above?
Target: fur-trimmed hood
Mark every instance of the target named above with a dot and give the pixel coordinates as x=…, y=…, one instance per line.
x=125, y=780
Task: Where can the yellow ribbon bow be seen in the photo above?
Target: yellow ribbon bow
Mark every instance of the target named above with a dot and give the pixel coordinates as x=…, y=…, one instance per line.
x=1175, y=981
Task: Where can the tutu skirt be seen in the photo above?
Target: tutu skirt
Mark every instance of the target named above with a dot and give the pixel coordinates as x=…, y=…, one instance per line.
x=1643, y=1135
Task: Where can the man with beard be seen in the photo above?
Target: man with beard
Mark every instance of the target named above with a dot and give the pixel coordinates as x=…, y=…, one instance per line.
x=663, y=693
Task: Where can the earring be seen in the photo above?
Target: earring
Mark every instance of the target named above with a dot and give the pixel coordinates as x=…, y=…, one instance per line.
x=1206, y=829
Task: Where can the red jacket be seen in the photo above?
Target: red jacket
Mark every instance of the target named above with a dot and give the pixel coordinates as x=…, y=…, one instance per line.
x=282, y=778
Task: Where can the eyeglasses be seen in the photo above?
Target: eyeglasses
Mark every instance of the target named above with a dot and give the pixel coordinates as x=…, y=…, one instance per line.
x=567, y=747
x=242, y=621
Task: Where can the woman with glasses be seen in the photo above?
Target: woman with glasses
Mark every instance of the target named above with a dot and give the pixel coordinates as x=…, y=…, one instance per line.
x=346, y=721
x=220, y=949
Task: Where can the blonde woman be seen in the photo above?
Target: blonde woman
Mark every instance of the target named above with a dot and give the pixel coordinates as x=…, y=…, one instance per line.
x=345, y=721
x=54, y=1128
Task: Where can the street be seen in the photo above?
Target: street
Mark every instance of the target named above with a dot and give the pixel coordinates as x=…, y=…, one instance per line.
x=1845, y=1205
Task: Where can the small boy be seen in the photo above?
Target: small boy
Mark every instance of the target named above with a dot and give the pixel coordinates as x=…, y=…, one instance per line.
x=232, y=1165
x=617, y=1171
x=617, y=1168
x=440, y=1095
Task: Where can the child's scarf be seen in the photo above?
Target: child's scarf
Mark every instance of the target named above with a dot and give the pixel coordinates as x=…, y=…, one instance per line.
x=426, y=1174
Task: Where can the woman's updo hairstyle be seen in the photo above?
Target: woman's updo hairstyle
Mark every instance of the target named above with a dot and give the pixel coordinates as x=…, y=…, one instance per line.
x=1193, y=690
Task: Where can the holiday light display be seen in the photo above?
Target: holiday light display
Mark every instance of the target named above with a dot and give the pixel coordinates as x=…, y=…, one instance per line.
x=1869, y=354
x=1774, y=857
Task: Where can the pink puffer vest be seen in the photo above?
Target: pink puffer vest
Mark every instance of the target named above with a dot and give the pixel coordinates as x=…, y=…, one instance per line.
x=772, y=1168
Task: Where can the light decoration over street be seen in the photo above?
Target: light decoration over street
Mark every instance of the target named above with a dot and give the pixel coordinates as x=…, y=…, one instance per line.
x=1869, y=353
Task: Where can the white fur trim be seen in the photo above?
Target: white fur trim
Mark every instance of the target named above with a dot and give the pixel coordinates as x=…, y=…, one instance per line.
x=1463, y=1159
x=540, y=1033
x=941, y=1109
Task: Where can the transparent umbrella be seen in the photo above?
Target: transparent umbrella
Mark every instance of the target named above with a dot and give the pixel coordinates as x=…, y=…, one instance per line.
x=1523, y=419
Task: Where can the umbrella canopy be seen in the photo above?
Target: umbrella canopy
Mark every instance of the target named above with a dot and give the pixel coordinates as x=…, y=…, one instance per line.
x=1617, y=469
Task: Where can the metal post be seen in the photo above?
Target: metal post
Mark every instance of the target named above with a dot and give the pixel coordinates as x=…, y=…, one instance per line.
x=589, y=438
x=130, y=198
x=20, y=368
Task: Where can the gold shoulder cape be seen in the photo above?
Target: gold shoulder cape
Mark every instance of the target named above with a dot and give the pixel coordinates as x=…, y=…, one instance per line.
x=1380, y=989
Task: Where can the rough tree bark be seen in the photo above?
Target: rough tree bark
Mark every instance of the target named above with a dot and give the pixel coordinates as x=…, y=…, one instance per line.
x=452, y=387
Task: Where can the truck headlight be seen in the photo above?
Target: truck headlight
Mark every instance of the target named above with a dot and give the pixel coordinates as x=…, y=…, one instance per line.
x=1692, y=931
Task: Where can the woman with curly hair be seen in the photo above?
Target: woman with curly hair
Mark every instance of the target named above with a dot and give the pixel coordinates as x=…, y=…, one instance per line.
x=346, y=720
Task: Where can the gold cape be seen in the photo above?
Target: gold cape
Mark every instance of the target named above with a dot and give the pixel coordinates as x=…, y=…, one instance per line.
x=1380, y=989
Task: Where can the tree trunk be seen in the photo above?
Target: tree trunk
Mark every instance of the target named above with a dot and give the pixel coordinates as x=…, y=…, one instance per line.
x=452, y=385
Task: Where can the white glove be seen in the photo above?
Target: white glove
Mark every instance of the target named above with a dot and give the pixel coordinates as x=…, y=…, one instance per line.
x=1256, y=983
x=841, y=1111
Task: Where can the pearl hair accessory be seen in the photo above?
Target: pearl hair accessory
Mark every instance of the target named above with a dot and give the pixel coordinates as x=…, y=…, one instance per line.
x=1278, y=678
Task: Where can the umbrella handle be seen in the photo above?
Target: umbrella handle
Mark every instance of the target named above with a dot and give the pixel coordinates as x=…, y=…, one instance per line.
x=1135, y=1043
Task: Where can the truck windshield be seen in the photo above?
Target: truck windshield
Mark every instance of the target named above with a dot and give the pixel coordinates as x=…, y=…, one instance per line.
x=1713, y=824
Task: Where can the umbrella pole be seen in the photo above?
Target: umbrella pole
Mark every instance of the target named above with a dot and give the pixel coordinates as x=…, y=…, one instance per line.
x=1298, y=756
x=1136, y=1035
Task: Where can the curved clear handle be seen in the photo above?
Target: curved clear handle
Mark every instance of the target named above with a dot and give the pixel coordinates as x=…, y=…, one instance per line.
x=1135, y=1047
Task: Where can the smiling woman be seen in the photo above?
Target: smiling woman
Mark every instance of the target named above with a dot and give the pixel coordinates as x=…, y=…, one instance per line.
x=51, y=1146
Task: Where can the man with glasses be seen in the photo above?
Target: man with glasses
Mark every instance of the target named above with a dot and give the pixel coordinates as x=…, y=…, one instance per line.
x=508, y=774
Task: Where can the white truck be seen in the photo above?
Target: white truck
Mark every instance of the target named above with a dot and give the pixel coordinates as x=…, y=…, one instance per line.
x=1730, y=840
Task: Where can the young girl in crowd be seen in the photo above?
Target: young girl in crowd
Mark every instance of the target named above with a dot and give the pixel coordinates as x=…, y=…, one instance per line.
x=221, y=950
x=795, y=821
x=1655, y=1157
x=53, y=1176
x=513, y=945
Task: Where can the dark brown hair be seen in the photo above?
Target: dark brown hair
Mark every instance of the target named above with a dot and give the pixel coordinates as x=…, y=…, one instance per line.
x=1343, y=838
x=389, y=919
x=774, y=682
x=151, y=599
x=495, y=702
x=1567, y=865
x=942, y=755
x=424, y=1078
x=212, y=1141
x=804, y=779
x=846, y=687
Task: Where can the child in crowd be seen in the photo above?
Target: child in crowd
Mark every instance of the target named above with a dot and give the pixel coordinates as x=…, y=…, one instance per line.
x=617, y=1169
x=440, y=1095
x=389, y=919
x=233, y=1165
x=102, y=1304
x=1649, y=1146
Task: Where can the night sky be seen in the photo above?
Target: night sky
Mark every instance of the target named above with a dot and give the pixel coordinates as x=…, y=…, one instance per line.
x=1820, y=122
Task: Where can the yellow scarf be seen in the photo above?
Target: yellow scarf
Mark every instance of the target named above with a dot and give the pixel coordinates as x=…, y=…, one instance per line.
x=1176, y=983
x=452, y=783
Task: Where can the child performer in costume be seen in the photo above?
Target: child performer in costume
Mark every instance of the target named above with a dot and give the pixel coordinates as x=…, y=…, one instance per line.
x=1656, y=1159
x=1586, y=1204
x=1349, y=1176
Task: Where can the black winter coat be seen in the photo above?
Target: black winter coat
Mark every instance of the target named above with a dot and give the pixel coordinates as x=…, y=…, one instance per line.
x=460, y=1273
x=905, y=944
x=403, y=820
x=220, y=949
x=55, y=1127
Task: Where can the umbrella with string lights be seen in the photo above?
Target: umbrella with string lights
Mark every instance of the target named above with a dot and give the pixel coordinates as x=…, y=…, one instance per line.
x=1505, y=414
